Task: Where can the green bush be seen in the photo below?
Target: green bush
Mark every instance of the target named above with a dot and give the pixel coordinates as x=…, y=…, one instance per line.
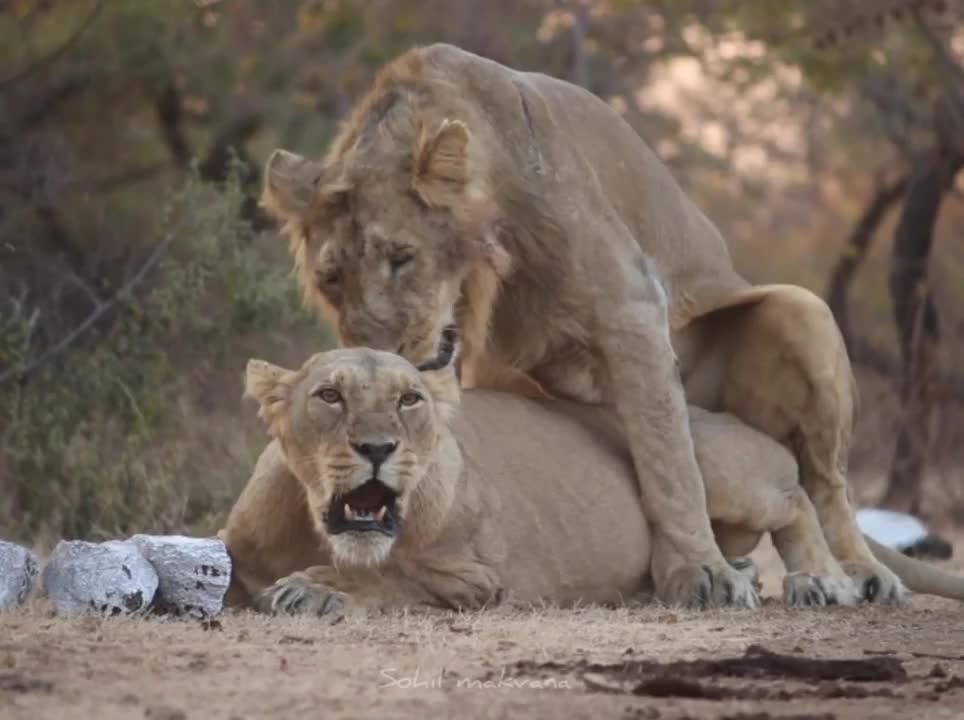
x=115, y=435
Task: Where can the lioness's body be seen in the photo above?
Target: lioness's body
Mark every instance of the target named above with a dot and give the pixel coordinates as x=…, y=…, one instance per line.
x=536, y=500
x=549, y=525
x=525, y=210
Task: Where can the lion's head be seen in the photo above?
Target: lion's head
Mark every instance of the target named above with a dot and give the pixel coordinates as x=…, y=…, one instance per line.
x=389, y=229
x=359, y=429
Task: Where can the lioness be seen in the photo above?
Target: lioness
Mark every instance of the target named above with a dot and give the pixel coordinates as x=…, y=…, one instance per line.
x=400, y=497
x=526, y=211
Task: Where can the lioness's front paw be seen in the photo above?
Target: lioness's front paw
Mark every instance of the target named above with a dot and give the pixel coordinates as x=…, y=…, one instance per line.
x=746, y=567
x=709, y=586
x=875, y=583
x=801, y=590
x=298, y=594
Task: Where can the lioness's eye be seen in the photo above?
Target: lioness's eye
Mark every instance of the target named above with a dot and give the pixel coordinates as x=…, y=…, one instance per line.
x=401, y=259
x=331, y=277
x=328, y=395
x=409, y=399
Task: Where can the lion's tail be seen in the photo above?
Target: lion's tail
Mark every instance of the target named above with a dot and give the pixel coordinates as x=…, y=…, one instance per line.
x=918, y=576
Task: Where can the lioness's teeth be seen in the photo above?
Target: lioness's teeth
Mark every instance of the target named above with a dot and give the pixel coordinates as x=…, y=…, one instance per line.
x=380, y=515
x=349, y=513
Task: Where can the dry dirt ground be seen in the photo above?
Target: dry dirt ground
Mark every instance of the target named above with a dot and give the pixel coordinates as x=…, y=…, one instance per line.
x=645, y=663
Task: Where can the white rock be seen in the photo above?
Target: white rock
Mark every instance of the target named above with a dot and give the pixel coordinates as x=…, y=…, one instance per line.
x=193, y=573
x=112, y=577
x=893, y=529
x=18, y=574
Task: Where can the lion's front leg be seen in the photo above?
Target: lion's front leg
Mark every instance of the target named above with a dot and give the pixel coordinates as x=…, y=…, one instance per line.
x=688, y=567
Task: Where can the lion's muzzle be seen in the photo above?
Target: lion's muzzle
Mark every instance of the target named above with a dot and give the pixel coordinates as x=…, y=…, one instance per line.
x=447, y=350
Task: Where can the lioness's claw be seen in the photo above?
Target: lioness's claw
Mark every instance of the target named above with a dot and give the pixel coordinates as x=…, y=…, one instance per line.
x=876, y=583
x=299, y=595
x=801, y=590
x=706, y=586
x=748, y=569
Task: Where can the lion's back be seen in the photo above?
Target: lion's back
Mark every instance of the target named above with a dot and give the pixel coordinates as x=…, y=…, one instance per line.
x=567, y=146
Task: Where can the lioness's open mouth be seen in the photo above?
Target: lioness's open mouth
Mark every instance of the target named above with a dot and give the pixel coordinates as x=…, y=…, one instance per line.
x=369, y=507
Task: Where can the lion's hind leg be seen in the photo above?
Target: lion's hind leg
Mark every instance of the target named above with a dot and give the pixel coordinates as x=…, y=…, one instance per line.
x=752, y=487
x=814, y=577
x=788, y=375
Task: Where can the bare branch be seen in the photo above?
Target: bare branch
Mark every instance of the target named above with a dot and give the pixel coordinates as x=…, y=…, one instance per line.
x=95, y=315
x=167, y=107
x=897, y=114
x=856, y=249
x=84, y=286
x=945, y=58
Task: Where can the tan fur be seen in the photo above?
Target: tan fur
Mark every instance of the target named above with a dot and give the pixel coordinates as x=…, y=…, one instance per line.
x=493, y=512
x=526, y=210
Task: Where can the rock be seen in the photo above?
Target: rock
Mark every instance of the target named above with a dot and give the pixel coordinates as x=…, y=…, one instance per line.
x=193, y=573
x=112, y=577
x=904, y=533
x=18, y=574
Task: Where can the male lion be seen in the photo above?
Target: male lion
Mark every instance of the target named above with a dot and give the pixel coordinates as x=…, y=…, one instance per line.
x=526, y=211
x=401, y=497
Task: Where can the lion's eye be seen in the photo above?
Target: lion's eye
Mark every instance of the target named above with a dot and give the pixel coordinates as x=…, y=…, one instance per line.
x=401, y=259
x=328, y=395
x=409, y=399
x=328, y=278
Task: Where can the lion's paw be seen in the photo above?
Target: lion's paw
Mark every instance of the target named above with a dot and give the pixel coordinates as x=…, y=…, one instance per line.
x=801, y=590
x=707, y=586
x=746, y=567
x=298, y=594
x=876, y=583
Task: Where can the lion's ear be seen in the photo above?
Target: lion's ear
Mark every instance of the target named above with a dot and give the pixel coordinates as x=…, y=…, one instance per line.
x=266, y=383
x=441, y=167
x=290, y=184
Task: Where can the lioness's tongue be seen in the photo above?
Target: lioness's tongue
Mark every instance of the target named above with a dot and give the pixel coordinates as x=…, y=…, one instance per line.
x=368, y=497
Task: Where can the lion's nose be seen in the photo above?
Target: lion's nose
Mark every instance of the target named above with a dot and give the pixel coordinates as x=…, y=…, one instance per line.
x=376, y=453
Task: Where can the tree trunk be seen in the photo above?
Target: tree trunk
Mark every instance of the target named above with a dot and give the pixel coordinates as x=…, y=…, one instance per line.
x=579, y=72
x=855, y=250
x=917, y=326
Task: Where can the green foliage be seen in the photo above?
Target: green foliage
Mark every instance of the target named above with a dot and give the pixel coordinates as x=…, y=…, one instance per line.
x=90, y=437
x=137, y=424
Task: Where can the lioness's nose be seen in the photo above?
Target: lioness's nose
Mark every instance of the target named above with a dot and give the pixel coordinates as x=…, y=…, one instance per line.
x=376, y=453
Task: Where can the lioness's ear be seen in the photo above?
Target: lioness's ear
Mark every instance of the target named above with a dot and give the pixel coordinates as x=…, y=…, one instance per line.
x=441, y=168
x=266, y=383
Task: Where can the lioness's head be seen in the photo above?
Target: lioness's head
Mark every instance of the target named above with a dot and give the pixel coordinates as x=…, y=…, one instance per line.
x=359, y=428
x=389, y=228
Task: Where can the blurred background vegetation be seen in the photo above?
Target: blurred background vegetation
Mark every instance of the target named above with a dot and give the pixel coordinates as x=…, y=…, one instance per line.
x=137, y=274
